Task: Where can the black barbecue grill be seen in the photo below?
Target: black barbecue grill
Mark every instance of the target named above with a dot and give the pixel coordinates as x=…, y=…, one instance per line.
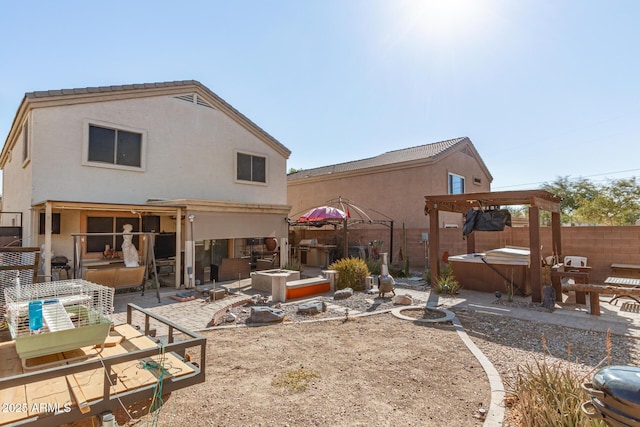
x=60, y=262
x=615, y=396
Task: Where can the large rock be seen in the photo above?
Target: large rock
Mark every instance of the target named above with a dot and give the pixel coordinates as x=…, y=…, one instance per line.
x=549, y=298
x=343, y=293
x=403, y=300
x=265, y=315
x=312, y=307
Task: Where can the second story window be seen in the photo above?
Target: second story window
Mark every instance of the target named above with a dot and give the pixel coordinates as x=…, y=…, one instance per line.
x=456, y=184
x=114, y=146
x=251, y=168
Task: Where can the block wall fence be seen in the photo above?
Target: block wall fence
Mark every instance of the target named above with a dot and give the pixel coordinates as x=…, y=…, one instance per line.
x=602, y=245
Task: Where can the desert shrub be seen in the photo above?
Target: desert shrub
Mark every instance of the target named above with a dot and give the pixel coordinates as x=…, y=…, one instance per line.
x=294, y=265
x=374, y=266
x=396, y=271
x=446, y=282
x=352, y=273
x=427, y=276
x=545, y=393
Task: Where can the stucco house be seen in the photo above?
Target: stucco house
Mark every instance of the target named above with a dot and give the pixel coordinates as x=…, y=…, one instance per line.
x=171, y=158
x=395, y=184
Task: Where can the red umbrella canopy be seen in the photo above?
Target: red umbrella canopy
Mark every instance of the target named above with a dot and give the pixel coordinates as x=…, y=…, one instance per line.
x=322, y=213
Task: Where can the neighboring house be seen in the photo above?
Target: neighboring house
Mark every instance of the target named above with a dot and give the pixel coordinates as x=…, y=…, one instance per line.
x=395, y=183
x=93, y=159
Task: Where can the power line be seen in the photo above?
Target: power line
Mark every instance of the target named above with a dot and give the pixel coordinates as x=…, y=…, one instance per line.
x=570, y=179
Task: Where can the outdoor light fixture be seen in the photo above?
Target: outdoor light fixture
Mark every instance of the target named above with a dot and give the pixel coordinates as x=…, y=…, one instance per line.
x=191, y=217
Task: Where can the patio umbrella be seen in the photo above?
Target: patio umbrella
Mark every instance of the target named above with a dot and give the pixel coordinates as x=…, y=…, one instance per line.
x=322, y=213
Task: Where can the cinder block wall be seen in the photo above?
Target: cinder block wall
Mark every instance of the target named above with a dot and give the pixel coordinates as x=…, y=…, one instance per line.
x=601, y=245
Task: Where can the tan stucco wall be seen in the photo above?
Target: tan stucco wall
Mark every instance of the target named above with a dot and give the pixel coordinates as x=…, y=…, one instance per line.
x=189, y=154
x=17, y=186
x=398, y=193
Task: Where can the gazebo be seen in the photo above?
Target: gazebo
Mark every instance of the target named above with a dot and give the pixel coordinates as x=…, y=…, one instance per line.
x=343, y=213
x=461, y=203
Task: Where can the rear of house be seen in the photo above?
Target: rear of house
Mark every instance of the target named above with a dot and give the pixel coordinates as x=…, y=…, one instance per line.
x=168, y=157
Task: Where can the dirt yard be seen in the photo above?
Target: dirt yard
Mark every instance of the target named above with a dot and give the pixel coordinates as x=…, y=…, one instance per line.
x=370, y=371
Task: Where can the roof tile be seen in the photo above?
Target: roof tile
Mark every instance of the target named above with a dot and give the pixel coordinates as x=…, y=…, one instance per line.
x=390, y=157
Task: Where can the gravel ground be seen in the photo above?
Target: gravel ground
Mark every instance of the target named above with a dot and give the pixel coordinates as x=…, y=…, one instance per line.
x=375, y=370
x=507, y=342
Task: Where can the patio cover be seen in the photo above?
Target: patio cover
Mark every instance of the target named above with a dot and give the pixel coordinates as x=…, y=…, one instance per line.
x=322, y=213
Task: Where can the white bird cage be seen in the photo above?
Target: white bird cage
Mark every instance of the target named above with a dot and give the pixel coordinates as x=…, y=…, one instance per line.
x=52, y=317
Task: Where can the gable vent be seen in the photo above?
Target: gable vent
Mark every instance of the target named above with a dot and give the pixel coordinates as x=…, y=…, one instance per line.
x=202, y=102
x=188, y=98
x=193, y=96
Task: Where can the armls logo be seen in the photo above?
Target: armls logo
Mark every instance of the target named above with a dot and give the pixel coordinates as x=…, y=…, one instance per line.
x=50, y=408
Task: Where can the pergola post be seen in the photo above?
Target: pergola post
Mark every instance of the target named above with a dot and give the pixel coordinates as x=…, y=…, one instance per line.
x=534, y=247
x=556, y=233
x=434, y=244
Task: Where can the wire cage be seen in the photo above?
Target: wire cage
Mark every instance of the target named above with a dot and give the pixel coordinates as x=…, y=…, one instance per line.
x=52, y=317
x=14, y=263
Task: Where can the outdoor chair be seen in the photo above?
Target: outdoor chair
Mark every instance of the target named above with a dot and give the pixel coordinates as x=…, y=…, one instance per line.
x=573, y=270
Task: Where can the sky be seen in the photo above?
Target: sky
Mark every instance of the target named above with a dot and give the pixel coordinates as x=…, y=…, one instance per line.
x=543, y=88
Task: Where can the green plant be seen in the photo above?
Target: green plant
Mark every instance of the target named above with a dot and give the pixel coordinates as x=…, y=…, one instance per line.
x=510, y=288
x=447, y=284
x=294, y=265
x=374, y=266
x=427, y=276
x=405, y=269
x=547, y=393
x=352, y=273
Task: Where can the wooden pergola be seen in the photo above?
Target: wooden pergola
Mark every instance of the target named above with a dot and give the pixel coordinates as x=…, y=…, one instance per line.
x=461, y=203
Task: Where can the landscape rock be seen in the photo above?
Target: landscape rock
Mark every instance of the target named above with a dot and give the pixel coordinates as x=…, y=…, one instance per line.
x=403, y=300
x=265, y=315
x=343, y=293
x=549, y=298
x=312, y=307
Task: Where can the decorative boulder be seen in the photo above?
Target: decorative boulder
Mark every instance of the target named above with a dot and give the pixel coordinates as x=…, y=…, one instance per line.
x=343, y=293
x=229, y=317
x=403, y=300
x=265, y=315
x=549, y=298
x=312, y=307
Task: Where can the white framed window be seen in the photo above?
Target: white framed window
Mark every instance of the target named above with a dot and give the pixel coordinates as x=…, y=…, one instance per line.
x=456, y=184
x=251, y=168
x=119, y=147
x=26, y=143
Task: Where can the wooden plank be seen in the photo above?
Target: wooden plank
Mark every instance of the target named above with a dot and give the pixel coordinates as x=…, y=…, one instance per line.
x=15, y=398
x=84, y=387
x=78, y=395
x=49, y=393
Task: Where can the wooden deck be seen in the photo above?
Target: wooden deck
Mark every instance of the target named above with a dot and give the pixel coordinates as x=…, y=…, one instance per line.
x=127, y=369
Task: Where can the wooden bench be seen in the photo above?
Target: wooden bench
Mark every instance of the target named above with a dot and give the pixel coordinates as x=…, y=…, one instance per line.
x=116, y=277
x=594, y=292
x=307, y=287
x=625, y=270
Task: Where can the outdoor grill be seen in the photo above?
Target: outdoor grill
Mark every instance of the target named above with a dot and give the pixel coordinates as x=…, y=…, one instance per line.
x=614, y=396
x=303, y=248
x=58, y=263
